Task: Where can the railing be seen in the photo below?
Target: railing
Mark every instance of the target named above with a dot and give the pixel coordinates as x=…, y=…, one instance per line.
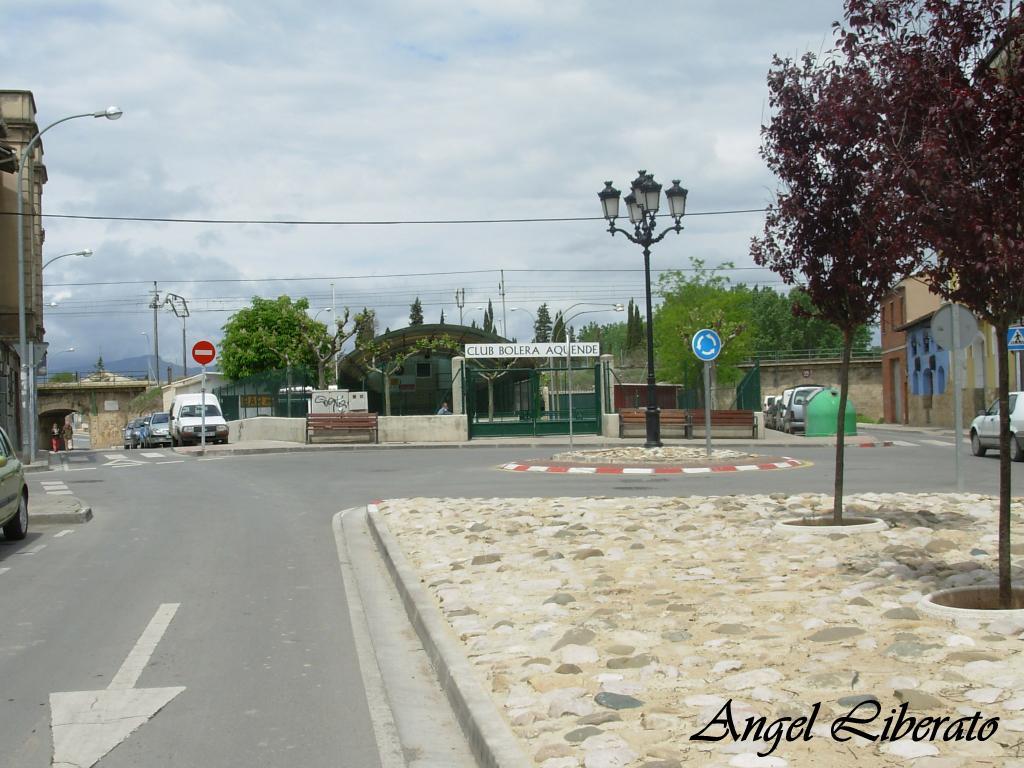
x=821, y=353
x=77, y=377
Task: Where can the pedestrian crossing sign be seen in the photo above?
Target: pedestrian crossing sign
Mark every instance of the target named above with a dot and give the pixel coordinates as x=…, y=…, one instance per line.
x=1015, y=338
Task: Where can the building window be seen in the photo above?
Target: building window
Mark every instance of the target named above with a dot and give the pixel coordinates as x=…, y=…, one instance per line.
x=422, y=370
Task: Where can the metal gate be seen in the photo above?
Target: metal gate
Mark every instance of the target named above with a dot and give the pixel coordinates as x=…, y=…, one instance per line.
x=511, y=401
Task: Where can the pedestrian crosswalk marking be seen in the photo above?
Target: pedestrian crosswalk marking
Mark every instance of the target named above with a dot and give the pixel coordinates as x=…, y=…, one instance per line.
x=153, y=455
x=937, y=442
x=904, y=443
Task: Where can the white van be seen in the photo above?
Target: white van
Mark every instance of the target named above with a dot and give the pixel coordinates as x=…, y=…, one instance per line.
x=187, y=420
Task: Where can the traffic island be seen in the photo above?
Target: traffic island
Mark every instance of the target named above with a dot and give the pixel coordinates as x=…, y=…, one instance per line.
x=668, y=460
x=635, y=632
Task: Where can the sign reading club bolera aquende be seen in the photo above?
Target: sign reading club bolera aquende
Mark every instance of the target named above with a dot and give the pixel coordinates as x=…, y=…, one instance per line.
x=546, y=349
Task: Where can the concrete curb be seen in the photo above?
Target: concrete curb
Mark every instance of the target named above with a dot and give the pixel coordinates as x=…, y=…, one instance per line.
x=82, y=515
x=490, y=737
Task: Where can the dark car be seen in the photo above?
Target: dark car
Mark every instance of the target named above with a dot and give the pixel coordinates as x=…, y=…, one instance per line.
x=133, y=433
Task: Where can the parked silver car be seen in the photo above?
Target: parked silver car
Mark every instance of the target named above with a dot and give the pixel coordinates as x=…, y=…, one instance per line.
x=779, y=409
x=794, y=419
x=159, y=432
x=985, y=428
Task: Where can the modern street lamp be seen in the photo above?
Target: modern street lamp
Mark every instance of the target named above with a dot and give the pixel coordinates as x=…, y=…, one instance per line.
x=86, y=252
x=149, y=365
x=568, y=349
x=642, y=205
x=320, y=311
x=532, y=317
x=27, y=419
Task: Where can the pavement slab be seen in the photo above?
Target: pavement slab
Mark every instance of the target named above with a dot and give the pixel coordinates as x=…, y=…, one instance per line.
x=609, y=632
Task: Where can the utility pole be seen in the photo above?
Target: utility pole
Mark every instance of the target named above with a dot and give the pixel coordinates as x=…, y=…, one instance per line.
x=460, y=301
x=179, y=307
x=334, y=314
x=501, y=292
x=156, y=333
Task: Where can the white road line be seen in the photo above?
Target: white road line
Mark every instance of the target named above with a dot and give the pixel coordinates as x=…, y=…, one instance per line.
x=3, y=571
x=34, y=550
x=113, y=456
x=175, y=461
x=129, y=672
x=59, y=493
x=904, y=443
x=937, y=442
x=55, y=483
x=152, y=455
x=65, y=532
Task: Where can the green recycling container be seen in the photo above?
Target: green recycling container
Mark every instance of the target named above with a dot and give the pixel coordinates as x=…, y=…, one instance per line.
x=821, y=411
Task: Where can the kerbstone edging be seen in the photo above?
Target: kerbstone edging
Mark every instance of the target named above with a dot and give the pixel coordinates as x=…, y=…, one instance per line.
x=82, y=515
x=490, y=737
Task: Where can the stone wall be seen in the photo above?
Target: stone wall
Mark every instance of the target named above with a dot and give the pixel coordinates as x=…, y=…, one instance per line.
x=103, y=405
x=865, y=380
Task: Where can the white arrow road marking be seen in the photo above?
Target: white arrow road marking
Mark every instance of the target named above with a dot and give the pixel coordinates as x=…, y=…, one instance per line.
x=86, y=725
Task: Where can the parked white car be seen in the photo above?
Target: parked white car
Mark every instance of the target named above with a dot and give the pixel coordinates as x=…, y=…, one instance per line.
x=186, y=416
x=985, y=428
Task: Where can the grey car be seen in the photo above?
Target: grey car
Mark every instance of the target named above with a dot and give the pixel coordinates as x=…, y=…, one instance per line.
x=159, y=432
x=133, y=433
x=794, y=419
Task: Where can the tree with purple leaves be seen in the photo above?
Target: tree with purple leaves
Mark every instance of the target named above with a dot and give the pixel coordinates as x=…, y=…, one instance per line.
x=950, y=115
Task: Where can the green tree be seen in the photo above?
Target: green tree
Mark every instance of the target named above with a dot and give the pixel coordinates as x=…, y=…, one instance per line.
x=489, y=317
x=416, y=313
x=558, y=328
x=700, y=298
x=99, y=367
x=270, y=334
x=542, y=325
x=441, y=321
x=366, y=326
x=64, y=377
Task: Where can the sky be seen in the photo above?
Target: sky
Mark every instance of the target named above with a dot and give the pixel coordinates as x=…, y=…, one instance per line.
x=389, y=111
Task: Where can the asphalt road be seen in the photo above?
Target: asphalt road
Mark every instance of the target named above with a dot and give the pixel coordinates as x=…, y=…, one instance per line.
x=261, y=640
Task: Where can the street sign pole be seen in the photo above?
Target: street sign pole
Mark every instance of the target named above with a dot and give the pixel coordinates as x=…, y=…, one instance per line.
x=202, y=407
x=707, y=406
x=958, y=413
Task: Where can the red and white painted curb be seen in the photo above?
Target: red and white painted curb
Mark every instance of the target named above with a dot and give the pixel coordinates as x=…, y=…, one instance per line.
x=608, y=469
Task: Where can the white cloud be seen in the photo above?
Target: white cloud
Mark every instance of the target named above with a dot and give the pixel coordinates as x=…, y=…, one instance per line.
x=455, y=109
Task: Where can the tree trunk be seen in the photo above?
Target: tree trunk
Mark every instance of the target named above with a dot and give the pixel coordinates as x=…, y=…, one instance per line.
x=321, y=373
x=1002, y=344
x=844, y=392
x=386, y=385
x=490, y=399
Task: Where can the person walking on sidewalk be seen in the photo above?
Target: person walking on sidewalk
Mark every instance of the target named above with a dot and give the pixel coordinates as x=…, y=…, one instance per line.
x=55, y=438
x=68, y=434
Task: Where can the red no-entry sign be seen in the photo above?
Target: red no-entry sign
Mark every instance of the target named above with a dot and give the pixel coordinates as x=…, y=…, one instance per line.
x=203, y=352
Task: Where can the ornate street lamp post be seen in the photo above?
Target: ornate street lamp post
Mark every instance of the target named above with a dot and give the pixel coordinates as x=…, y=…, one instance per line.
x=642, y=205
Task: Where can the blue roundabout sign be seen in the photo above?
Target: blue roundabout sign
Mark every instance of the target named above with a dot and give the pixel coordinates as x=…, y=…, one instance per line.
x=706, y=344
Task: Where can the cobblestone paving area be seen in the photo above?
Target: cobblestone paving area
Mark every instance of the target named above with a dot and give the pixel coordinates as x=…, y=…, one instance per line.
x=677, y=454
x=610, y=631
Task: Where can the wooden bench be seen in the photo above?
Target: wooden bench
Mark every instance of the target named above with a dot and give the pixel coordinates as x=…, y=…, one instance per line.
x=674, y=422
x=338, y=424
x=725, y=423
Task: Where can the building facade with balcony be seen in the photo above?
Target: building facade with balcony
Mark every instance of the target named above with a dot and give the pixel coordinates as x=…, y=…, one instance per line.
x=17, y=127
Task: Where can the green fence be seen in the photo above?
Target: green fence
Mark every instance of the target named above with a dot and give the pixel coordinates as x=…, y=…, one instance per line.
x=748, y=393
x=270, y=393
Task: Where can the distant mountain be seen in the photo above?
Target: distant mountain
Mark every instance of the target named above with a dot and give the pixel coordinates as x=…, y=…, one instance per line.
x=137, y=367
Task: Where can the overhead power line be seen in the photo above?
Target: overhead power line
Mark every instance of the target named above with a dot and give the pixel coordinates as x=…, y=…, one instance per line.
x=351, y=222
x=391, y=276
